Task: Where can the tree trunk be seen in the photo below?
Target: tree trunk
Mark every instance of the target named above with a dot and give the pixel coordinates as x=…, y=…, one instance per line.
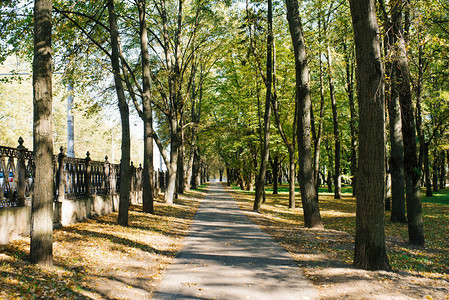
x=148, y=167
x=349, y=56
x=181, y=167
x=229, y=175
x=329, y=181
x=427, y=170
x=370, y=250
x=411, y=165
x=195, y=182
x=41, y=248
x=418, y=107
x=318, y=135
x=125, y=182
x=442, y=171
x=291, y=181
x=290, y=144
x=173, y=164
x=174, y=100
x=337, y=163
x=275, y=167
x=221, y=170
x=435, y=171
x=196, y=117
x=312, y=217
x=396, y=152
x=260, y=183
x=189, y=172
x=447, y=160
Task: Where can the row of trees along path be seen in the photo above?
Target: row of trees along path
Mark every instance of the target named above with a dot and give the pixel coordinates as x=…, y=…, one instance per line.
x=182, y=74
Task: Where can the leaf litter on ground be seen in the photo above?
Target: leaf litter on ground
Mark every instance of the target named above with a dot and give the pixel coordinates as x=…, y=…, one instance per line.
x=98, y=259
x=326, y=255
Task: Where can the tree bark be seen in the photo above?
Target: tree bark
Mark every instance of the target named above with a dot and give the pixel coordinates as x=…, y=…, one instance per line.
x=148, y=167
x=125, y=182
x=435, y=171
x=427, y=170
x=181, y=156
x=275, y=167
x=349, y=58
x=260, y=183
x=292, y=177
x=370, y=250
x=195, y=182
x=447, y=163
x=174, y=101
x=317, y=136
x=329, y=181
x=189, y=171
x=337, y=160
x=309, y=197
x=41, y=248
x=411, y=165
x=396, y=153
x=442, y=170
x=396, y=139
x=290, y=144
x=173, y=163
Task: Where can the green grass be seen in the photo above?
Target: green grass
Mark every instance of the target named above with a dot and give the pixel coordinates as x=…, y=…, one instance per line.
x=440, y=197
x=345, y=189
x=283, y=188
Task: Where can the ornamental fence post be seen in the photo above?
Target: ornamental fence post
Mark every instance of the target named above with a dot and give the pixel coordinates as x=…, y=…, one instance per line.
x=21, y=174
x=132, y=171
x=60, y=179
x=88, y=178
x=107, y=179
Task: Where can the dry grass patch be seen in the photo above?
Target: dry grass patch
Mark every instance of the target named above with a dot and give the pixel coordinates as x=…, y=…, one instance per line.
x=99, y=259
x=326, y=254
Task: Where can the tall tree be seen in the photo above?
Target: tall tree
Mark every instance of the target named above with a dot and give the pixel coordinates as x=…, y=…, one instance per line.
x=260, y=184
x=125, y=182
x=349, y=66
x=309, y=196
x=147, y=113
x=41, y=248
x=317, y=134
x=172, y=100
x=396, y=162
x=370, y=250
x=337, y=142
x=412, y=171
x=290, y=144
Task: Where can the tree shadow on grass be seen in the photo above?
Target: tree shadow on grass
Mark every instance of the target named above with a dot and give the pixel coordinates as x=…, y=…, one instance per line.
x=19, y=278
x=118, y=240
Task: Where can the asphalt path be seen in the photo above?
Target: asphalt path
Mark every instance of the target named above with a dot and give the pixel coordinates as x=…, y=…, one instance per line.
x=226, y=256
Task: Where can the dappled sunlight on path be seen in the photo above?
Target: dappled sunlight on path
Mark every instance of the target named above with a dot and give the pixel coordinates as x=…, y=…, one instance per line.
x=226, y=256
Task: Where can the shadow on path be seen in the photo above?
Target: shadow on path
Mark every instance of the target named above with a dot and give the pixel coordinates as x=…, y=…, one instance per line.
x=226, y=256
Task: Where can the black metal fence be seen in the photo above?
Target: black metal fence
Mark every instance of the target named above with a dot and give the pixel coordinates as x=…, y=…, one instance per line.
x=73, y=177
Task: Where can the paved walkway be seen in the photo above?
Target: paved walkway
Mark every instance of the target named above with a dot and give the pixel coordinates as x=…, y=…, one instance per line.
x=226, y=256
